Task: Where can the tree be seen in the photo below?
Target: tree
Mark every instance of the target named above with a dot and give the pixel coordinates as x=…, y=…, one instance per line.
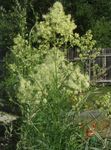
x=101, y=31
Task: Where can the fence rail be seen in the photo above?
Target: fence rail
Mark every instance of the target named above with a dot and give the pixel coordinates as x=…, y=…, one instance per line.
x=103, y=61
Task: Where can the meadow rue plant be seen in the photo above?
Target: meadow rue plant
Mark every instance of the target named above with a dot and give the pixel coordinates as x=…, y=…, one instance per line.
x=45, y=83
x=50, y=90
x=54, y=69
x=57, y=29
x=55, y=23
x=29, y=56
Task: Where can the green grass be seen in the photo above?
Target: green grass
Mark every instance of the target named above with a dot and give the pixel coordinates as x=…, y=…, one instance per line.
x=97, y=96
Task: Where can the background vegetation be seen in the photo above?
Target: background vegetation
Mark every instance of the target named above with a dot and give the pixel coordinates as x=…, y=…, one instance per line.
x=87, y=15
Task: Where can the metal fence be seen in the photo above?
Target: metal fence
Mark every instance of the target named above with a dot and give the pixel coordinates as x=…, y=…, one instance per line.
x=104, y=62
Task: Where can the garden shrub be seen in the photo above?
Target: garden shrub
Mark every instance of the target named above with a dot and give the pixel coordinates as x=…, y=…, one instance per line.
x=46, y=85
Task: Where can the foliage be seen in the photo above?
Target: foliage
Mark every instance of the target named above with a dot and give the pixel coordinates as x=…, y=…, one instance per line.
x=85, y=12
x=100, y=99
x=52, y=31
x=11, y=23
x=46, y=96
x=94, y=16
x=44, y=83
x=84, y=15
x=46, y=37
x=49, y=89
x=6, y=4
x=101, y=30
